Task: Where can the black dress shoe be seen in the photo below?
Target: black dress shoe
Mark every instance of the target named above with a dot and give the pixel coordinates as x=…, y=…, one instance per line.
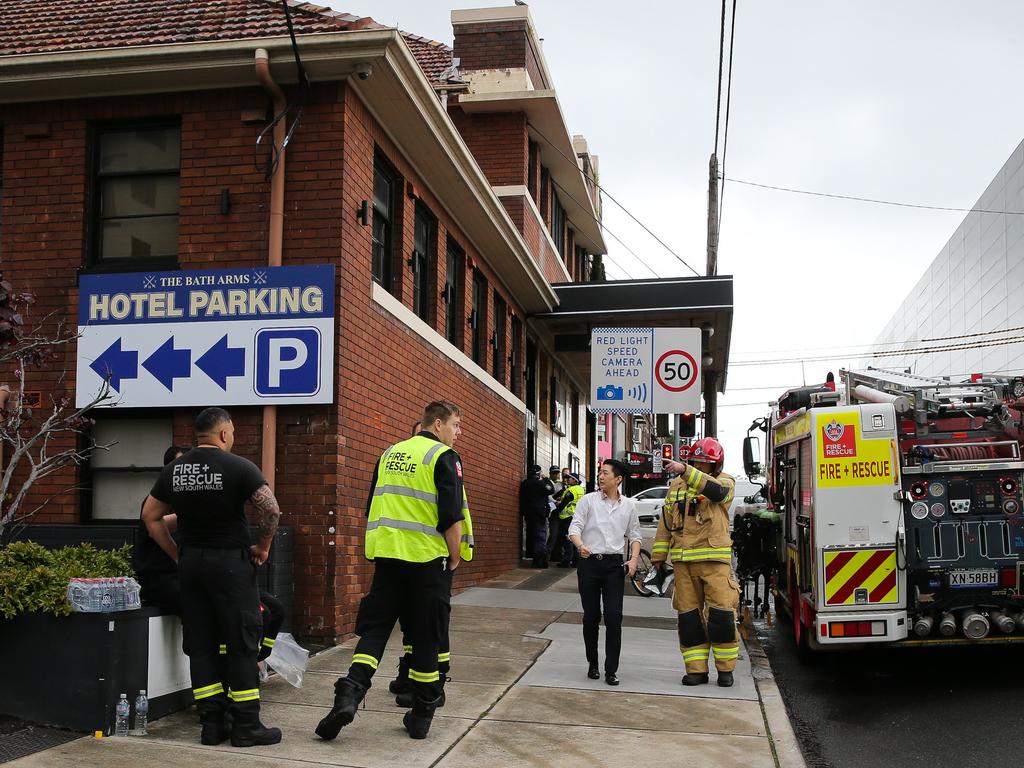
x=592, y=673
x=611, y=678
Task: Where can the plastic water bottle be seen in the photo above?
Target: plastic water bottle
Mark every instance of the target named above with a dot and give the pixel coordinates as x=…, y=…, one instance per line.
x=141, y=714
x=123, y=709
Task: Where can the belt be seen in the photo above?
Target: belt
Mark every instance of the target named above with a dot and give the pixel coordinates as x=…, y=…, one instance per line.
x=601, y=556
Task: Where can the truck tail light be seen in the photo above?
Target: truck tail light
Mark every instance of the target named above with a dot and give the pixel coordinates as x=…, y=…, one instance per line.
x=856, y=629
x=1008, y=577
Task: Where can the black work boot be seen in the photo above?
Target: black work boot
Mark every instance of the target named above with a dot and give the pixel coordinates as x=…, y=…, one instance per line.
x=725, y=679
x=251, y=733
x=417, y=720
x=216, y=727
x=695, y=678
x=347, y=696
x=401, y=683
x=407, y=700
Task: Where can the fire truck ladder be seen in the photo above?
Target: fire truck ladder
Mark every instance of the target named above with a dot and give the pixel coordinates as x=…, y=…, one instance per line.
x=924, y=396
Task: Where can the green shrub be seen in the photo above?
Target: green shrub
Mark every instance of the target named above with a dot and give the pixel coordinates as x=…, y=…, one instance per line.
x=34, y=579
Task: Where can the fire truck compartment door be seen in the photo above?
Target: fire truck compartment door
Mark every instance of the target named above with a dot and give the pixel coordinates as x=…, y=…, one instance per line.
x=856, y=517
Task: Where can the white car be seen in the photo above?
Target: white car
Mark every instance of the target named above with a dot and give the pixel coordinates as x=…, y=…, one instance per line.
x=649, y=503
x=745, y=489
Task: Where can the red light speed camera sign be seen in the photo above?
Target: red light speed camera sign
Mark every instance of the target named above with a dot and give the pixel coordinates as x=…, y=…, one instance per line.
x=645, y=370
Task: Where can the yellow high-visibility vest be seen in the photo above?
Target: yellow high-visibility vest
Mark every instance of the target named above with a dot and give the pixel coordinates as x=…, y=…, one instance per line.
x=577, y=494
x=403, y=513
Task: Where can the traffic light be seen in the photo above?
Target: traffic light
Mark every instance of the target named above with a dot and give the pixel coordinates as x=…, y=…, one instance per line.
x=687, y=424
x=666, y=451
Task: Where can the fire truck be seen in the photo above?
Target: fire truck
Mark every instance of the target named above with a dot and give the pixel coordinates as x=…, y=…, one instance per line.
x=898, y=500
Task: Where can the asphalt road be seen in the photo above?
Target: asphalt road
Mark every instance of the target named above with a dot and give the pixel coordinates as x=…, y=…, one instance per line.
x=915, y=707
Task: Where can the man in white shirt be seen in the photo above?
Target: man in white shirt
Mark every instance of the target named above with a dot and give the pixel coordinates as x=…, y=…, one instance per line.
x=601, y=525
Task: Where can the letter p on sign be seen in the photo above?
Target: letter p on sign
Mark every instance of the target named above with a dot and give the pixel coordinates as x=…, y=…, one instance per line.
x=287, y=362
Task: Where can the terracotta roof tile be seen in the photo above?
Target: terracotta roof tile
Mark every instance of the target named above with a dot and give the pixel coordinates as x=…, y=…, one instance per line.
x=55, y=26
x=51, y=26
x=435, y=59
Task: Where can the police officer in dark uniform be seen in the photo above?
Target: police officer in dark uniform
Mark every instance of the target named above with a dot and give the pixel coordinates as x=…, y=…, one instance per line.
x=207, y=488
x=416, y=538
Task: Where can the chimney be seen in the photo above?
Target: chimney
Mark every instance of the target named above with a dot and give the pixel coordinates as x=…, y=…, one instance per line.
x=499, y=42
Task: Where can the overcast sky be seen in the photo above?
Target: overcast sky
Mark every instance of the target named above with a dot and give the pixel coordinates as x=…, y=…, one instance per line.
x=912, y=101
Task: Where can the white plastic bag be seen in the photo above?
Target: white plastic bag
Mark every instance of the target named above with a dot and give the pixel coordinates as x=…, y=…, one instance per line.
x=288, y=659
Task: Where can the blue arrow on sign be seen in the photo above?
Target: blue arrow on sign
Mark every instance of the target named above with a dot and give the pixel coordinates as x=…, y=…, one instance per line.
x=168, y=364
x=221, y=361
x=116, y=364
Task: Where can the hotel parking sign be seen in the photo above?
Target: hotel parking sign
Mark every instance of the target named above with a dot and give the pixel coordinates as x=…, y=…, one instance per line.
x=207, y=337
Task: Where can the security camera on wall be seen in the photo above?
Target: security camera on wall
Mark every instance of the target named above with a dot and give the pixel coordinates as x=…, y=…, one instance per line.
x=363, y=71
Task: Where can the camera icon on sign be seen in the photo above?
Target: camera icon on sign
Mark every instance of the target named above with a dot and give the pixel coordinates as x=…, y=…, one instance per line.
x=609, y=392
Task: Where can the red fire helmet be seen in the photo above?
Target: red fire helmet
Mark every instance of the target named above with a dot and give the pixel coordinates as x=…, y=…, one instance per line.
x=709, y=450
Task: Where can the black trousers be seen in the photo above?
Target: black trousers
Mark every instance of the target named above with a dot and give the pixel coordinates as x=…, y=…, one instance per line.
x=444, y=647
x=537, y=534
x=417, y=592
x=220, y=604
x=602, y=581
x=562, y=547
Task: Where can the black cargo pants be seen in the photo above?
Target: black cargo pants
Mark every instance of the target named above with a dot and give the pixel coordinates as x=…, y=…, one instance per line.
x=418, y=593
x=220, y=604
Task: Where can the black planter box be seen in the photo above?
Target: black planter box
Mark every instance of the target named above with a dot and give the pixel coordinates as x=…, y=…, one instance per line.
x=69, y=671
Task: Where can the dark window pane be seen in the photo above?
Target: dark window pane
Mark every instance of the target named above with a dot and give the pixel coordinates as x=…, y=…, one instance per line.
x=147, y=237
x=136, y=193
x=452, y=292
x=140, y=196
x=140, y=150
x=422, y=259
x=499, y=338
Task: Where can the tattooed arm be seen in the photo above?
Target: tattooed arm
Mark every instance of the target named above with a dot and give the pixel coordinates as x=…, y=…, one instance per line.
x=268, y=513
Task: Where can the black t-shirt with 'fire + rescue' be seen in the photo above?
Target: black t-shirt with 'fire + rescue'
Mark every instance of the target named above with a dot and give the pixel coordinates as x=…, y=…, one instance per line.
x=208, y=488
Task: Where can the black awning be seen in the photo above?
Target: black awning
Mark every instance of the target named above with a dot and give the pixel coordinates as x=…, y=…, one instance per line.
x=696, y=302
x=639, y=297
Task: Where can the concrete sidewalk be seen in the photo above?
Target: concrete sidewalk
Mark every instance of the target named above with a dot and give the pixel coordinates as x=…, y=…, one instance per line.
x=519, y=696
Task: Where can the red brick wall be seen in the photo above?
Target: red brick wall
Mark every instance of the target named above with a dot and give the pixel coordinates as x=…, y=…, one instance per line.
x=498, y=143
x=497, y=45
x=384, y=372
x=406, y=373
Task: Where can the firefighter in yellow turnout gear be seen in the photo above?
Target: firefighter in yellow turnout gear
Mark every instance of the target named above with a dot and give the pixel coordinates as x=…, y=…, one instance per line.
x=694, y=532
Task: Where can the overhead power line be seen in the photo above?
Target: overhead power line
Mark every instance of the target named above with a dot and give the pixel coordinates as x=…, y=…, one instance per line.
x=868, y=199
x=721, y=58
x=602, y=225
x=849, y=353
x=728, y=102
x=604, y=191
x=891, y=353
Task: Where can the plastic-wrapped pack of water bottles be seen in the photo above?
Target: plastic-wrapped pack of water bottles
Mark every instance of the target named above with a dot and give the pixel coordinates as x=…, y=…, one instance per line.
x=120, y=593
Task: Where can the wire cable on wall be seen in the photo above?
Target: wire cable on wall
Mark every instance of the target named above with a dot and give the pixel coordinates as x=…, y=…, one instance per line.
x=297, y=107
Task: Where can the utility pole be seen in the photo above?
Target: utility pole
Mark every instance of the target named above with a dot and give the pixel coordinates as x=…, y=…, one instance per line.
x=713, y=217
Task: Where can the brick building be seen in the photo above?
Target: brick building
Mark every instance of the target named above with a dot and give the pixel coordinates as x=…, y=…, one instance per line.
x=442, y=183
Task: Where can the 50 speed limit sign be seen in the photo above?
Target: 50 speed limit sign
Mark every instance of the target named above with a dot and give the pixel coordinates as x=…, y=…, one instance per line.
x=676, y=370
